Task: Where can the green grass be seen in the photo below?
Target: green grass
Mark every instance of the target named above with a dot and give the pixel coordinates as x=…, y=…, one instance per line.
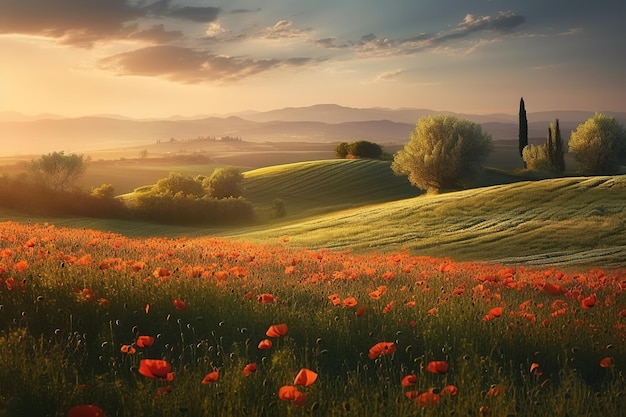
x=317, y=187
x=574, y=219
x=361, y=206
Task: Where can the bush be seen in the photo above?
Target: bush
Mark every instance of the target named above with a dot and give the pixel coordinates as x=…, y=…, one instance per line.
x=177, y=183
x=21, y=194
x=359, y=149
x=224, y=183
x=185, y=209
x=444, y=152
x=598, y=144
x=536, y=157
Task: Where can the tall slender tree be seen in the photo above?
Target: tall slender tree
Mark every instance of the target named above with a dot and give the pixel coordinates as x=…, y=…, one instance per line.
x=554, y=148
x=523, y=128
x=559, y=153
x=550, y=147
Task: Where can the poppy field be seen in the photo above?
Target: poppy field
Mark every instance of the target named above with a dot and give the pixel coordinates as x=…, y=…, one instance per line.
x=95, y=324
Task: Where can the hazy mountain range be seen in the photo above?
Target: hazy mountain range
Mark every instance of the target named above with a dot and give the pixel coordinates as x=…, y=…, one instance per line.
x=20, y=134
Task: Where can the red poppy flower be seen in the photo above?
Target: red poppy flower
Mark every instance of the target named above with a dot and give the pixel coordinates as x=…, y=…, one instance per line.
x=291, y=393
x=211, y=378
x=409, y=380
x=553, y=289
x=266, y=298
x=382, y=348
x=156, y=368
x=265, y=344
x=249, y=369
x=606, y=362
x=180, y=305
x=588, y=302
x=130, y=349
x=437, y=367
x=493, y=313
x=411, y=395
x=428, y=399
x=534, y=369
x=450, y=390
x=360, y=311
x=86, y=410
x=305, y=377
x=388, y=307
x=145, y=341
x=349, y=302
x=277, y=330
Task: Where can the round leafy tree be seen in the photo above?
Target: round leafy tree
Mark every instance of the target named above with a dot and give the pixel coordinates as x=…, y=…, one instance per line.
x=443, y=152
x=598, y=144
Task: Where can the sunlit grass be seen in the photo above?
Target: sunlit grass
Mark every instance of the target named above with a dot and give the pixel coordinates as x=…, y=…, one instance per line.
x=555, y=217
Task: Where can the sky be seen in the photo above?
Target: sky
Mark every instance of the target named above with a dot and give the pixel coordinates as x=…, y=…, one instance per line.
x=160, y=58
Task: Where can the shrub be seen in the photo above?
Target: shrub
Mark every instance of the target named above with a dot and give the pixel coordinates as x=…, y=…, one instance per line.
x=177, y=183
x=536, y=157
x=186, y=209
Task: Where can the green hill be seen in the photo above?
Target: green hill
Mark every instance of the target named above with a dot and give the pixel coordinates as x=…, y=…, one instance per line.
x=565, y=220
x=317, y=187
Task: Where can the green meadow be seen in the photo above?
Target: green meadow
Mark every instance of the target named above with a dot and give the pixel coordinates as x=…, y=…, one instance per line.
x=506, y=299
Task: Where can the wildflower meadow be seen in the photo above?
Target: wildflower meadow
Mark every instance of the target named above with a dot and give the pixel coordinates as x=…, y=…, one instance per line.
x=95, y=324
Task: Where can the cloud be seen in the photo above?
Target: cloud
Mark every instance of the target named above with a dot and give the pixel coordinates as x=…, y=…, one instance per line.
x=214, y=29
x=190, y=66
x=284, y=29
x=389, y=75
x=83, y=23
x=502, y=23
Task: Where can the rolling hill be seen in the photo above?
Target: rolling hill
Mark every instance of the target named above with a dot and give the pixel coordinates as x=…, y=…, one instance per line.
x=361, y=206
x=564, y=220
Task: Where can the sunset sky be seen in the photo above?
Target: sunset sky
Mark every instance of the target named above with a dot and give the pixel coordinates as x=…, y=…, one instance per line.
x=149, y=58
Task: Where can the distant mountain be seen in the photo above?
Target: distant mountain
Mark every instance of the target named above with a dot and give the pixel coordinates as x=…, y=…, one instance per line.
x=320, y=123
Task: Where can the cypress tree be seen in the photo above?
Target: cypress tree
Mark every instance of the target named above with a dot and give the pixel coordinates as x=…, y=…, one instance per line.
x=523, y=128
x=559, y=155
x=550, y=148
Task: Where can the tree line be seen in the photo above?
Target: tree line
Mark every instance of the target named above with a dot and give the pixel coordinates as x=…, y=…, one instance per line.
x=445, y=152
x=49, y=187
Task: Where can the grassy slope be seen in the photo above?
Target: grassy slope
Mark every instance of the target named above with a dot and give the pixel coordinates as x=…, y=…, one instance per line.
x=571, y=220
x=317, y=187
x=362, y=206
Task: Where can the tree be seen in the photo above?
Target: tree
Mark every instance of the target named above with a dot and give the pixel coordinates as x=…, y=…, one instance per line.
x=57, y=171
x=443, y=152
x=176, y=183
x=597, y=144
x=341, y=151
x=365, y=149
x=359, y=149
x=556, y=153
x=224, y=182
x=523, y=127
